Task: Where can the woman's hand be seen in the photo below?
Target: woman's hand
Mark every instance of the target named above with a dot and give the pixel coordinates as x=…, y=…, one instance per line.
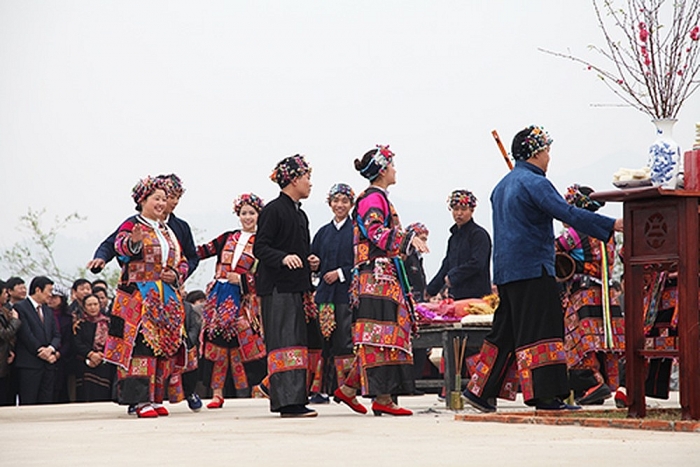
x=233, y=278
x=137, y=234
x=168, y=276
x=419, y=245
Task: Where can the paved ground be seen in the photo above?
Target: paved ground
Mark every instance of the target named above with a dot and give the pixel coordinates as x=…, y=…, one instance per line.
x=244, y=432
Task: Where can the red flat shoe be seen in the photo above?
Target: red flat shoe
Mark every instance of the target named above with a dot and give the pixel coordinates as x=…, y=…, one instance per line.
x=339, y=396
x=147, y=411
x=392, y=409
x=216, y=403
x=620, y=398
x=161, y=411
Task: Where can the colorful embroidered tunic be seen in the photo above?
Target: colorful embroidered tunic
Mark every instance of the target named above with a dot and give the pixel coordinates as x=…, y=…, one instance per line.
x=383, y=326
x=584, y=313
x=231, y=329
x=147, y=325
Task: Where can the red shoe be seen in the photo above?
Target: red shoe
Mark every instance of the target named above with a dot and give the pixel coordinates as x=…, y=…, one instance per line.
x=161, y=411
x=216, y=403
x=391, y=409
x=147, y=411
x=620, y=398
x=339, y=396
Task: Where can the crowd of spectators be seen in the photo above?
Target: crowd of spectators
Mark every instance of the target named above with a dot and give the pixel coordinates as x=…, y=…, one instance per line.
x=52, y=340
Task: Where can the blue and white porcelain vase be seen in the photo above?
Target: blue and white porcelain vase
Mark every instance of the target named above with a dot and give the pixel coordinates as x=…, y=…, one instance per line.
x=665, y=155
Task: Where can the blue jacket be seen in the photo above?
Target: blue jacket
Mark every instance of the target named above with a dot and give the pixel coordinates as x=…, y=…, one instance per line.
x=334, y=249
x=466, y=263
x=524, y=206
x=182, y=231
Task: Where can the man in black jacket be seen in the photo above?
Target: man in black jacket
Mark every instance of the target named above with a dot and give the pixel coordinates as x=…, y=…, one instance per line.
x=38, y=340
x=282, y=246
x=465, y=271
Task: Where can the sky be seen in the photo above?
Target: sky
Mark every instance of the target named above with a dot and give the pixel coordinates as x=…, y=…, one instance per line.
x=96, y=95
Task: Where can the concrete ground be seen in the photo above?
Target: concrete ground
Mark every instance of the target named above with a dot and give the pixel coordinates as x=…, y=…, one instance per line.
x=244, y=432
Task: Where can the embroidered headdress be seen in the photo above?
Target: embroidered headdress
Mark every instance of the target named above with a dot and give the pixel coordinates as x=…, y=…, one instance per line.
x=174, y=184
x=379, y=161
x=579, y=196
x=341, y=189
x=288, y=169
x=145, y=187
x=418, y=228
x=536, y=140
x=250, y=199
x=461, y=198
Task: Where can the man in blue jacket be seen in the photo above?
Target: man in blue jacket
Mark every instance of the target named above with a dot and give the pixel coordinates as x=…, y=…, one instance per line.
x=528, y=325
x=465, y=271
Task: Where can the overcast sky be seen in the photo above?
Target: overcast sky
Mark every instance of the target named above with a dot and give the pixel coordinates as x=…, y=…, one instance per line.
x=95, y=95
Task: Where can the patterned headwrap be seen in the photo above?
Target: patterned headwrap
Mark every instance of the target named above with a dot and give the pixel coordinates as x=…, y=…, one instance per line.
x=146, y=186
x=579, y=196
x=537, y=140
x=418, y=228
x=380, y=161
x=461, y=198
x=288, y=169
x=174, y=186
x=250, y=199
x=341, y=189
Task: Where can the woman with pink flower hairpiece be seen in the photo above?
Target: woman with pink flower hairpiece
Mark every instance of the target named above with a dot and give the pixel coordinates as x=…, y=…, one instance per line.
x=380, y=294
x=147, y=328
x=232, y=337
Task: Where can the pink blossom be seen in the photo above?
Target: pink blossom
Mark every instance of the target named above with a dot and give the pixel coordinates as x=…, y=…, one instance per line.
x=643, y=33
x=680, y=72
x=619, y=81
x=695, y=33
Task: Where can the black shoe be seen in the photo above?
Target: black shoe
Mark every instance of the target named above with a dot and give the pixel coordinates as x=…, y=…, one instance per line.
x=477, y=402
x=297, y=411
x=319, y=398
x=555, y=404
x=595, y=395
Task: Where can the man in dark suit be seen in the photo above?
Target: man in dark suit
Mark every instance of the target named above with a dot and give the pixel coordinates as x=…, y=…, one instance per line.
x=38, y=339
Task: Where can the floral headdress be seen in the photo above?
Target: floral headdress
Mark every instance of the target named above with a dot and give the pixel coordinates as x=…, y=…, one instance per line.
x=579, y=196
x=537, y=140
x=341, y=189
x=174, y=184
x=146, y=186
x=250, y=199
x=418, y=228
x=288, y=169
x=380, y=161
x=461, y=198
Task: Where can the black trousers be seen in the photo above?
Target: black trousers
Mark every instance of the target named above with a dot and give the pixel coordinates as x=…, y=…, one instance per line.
x=287, y=348
x=36, y=385
x=527, y=335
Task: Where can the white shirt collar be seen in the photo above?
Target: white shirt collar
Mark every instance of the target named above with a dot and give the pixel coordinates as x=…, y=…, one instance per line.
x=339, y=225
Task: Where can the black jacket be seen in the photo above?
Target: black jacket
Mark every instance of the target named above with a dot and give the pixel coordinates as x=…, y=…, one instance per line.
x=33, y=334
x=467, y=263
x=283, y=229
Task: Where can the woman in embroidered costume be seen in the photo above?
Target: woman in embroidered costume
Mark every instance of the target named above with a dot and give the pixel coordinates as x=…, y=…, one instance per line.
x=147, y=331
x=95, y=377
x=232, y=335
x=380, y=294
x=594, y=327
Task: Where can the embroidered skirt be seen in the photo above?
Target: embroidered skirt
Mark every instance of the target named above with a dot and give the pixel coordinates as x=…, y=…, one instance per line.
x=382, y=332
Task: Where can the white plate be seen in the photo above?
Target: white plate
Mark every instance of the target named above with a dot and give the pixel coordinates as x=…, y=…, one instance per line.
x=636, y=183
